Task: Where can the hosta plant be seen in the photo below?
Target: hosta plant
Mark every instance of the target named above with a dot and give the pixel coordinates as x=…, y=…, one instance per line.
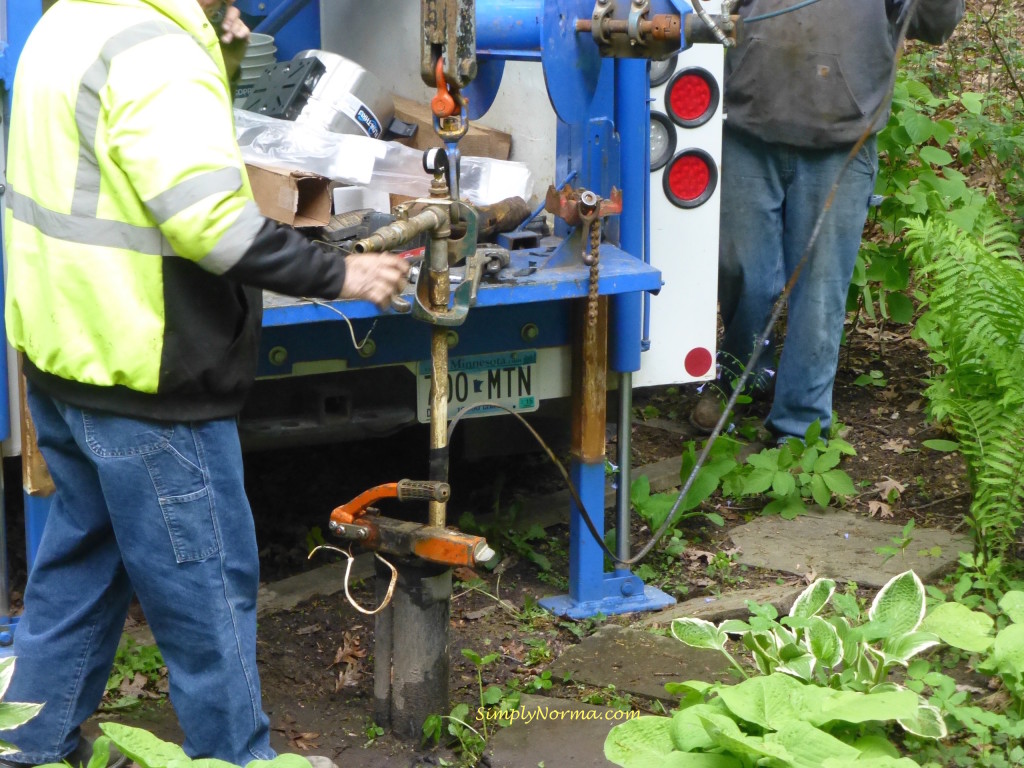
x=826, y=641
x=12, y=713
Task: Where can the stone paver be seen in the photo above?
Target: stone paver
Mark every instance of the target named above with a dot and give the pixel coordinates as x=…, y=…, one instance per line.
x=732, y=605
x=841, y=545
x=637, y=662
x=561, y=734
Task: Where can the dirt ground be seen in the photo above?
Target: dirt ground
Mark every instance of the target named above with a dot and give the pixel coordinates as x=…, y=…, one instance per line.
x=316, y=660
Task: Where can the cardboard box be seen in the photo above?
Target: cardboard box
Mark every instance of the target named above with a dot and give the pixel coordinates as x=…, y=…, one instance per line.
x=478, y=141
x=298, y=198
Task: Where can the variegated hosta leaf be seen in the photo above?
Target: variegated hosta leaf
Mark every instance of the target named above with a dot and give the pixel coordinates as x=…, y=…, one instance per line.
x=800, y=667
x=928, y=723
x=734, y=627
x=899, y=605
x=6, y=673
x=863, y=664
x=698, y=633
x=813, y=599
x=824, y=642
x=903, y=648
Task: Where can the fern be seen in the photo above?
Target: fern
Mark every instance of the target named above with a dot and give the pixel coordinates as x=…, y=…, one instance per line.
x=974, y=328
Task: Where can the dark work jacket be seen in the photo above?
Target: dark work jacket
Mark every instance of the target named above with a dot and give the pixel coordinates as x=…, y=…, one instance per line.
x=820, y=76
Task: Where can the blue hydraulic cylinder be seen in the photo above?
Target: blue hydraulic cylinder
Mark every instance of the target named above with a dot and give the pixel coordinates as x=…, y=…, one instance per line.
x=632, y=120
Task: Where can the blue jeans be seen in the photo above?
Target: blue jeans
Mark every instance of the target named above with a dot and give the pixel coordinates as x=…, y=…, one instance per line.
x=772, y=195
x=158, y=508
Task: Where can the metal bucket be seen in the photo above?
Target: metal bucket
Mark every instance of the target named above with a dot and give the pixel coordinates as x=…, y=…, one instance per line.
x=347, y=98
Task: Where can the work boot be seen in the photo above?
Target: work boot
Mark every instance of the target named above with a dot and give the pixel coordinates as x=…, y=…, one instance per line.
x=708, y=411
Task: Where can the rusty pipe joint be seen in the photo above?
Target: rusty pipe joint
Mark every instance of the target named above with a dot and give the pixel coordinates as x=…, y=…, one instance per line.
x=434, y=218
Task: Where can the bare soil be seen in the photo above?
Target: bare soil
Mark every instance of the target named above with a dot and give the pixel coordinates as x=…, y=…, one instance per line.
x=316, y=660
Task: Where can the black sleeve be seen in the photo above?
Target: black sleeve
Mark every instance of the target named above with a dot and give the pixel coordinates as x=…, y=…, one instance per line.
x=934, y=20
x=280, y=259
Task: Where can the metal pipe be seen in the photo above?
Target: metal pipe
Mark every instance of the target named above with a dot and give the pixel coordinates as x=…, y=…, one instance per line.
x=509, y=25
x=400, y=232
x=440, y=286
x=622, y=508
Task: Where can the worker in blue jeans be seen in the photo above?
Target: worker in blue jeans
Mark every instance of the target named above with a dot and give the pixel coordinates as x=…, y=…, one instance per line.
x=803, y=87
x=137, y=260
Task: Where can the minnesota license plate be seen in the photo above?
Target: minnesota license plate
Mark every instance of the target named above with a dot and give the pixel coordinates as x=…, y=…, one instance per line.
x=504, y=378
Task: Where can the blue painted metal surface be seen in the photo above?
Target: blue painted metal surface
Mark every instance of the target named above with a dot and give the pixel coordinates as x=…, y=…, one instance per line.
x=295, y=24
x=21, y=16
x=633, y=123
x=510, y=29
x=621, y=273
x=572, y=63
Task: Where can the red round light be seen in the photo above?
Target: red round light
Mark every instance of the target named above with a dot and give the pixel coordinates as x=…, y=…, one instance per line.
x=698, y=361
x=690, y=97
x=688, y=177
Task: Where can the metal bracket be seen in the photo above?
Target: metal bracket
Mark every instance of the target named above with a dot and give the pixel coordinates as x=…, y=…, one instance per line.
x=603, y=9
x=638, y=11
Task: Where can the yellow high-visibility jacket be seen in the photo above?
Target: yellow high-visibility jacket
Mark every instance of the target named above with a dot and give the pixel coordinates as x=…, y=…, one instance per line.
x=135, y=250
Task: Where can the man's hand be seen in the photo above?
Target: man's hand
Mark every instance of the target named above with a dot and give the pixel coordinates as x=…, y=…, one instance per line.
x=234, y=40
x=376, y=277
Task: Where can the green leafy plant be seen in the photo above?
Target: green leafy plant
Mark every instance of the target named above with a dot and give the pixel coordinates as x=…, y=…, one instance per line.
x=136, y=666
x=493, y=700
x=12, y=713
x=794, y=474
x=973, y=288
x=899, y=543
x=822, y=696
x=838, y=651
x=149, y=751
x=372, y=731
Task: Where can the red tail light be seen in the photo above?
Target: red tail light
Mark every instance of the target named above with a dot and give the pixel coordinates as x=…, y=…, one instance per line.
x=690, y=178
x=692, y=97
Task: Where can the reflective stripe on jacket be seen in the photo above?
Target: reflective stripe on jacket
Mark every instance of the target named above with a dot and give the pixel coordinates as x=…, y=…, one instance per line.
x=130, y=220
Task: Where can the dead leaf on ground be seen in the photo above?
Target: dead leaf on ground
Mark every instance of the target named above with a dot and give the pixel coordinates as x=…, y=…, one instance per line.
x=896, y=445
x=888, y=486
x=515, y=649
x=308, y=630
x=880, y=508
x=350, y=652
x=136, y=687
x=349, y=677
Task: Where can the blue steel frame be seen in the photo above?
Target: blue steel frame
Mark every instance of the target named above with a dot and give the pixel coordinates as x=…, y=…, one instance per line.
x=21, y=16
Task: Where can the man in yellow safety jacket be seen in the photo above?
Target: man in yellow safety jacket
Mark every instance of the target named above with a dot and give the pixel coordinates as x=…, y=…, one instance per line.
x=136, y=259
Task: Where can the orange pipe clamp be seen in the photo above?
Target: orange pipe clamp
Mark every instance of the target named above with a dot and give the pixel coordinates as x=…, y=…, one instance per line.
x=442, y=105
x=403, y=490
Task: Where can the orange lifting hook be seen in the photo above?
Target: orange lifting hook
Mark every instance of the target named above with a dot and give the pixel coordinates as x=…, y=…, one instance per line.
x=442, y=105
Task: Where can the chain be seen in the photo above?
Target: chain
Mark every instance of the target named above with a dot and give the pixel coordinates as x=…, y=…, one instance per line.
x=595, y=255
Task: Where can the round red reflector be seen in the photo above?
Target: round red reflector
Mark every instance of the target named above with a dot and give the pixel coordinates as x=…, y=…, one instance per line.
x=692, y=97
x=690, y=179
x=698, y=361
